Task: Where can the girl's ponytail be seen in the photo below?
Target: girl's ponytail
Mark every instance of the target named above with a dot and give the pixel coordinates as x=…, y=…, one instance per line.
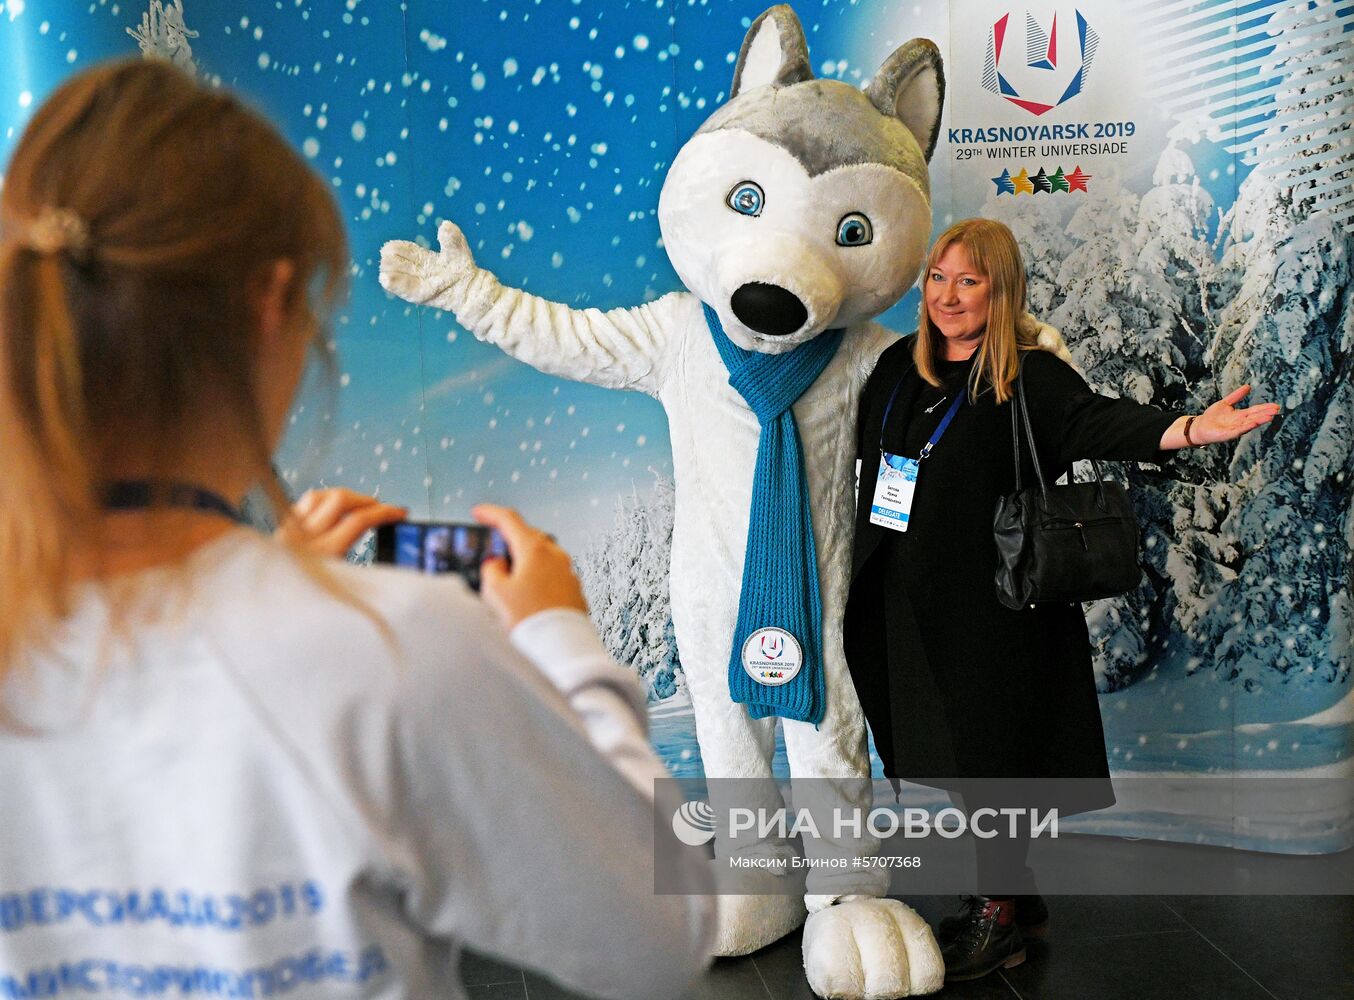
x=47, y=483
x=139, y=212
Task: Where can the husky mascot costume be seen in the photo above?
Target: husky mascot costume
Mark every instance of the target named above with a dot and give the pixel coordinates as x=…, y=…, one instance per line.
x=797, y=213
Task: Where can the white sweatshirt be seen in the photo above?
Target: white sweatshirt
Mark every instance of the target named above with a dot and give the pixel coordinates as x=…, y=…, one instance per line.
x=260, y=795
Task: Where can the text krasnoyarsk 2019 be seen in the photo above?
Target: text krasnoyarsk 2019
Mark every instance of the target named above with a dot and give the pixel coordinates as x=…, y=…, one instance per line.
x=1069, y=132
x=911, y=823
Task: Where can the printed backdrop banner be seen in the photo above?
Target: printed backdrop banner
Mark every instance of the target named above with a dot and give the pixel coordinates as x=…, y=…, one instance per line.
x=1178, y=174
x=1179, y=177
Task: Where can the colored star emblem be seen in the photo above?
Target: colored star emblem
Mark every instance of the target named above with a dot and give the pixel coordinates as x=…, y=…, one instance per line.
x=1021, y=182
x=1004, y=185
x=1076, y=180
x=1041, y=182
x=1057, y=182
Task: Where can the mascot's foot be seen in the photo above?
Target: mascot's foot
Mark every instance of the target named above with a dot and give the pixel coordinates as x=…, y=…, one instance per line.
x=871, y=949
x=748, y=923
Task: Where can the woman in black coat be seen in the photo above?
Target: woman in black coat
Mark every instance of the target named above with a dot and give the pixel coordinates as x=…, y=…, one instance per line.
x=960, y=691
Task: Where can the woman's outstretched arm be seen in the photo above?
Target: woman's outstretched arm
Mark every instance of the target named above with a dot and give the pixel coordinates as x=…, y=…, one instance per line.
x=1082, y=424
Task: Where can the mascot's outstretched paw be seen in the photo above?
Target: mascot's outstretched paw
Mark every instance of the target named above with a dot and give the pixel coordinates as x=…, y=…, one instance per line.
x=421, y=276
x=871, y=949
x=747, y=923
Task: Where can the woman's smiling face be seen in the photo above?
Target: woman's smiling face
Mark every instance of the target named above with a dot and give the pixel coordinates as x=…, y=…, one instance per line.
x=957, y=298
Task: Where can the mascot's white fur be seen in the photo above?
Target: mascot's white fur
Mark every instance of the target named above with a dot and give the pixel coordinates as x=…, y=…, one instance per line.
x=801, y=205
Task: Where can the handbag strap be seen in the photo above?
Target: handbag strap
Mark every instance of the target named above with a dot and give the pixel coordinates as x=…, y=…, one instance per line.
x=1019, y=403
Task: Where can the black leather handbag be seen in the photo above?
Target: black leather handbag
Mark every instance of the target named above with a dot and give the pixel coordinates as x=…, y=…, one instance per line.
x=1070, y=543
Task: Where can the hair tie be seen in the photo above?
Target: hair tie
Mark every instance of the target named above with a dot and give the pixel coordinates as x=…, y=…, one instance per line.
x=59, y=230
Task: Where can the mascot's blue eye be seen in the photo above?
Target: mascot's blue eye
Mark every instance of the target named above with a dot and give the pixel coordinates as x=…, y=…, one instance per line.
x=854, y=231
x=746, y=198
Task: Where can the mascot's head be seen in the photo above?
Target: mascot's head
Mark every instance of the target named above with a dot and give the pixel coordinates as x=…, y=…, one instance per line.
x=802, y=204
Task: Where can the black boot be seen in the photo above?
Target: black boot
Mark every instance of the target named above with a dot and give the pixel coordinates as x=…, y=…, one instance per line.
x=1031, y=916
x=987, y=939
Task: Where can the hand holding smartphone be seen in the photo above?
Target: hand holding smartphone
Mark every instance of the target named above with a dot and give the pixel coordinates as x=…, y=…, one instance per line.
x=329, y=520
x=541, y=576
x=520, y=569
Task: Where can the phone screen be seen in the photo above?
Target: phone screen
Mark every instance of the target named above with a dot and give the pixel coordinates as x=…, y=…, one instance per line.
x=436, y=547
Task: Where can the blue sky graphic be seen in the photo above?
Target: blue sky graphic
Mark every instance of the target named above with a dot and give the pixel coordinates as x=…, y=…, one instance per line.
x=544, y=129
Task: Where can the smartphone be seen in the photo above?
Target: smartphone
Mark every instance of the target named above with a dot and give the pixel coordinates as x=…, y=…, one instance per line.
x=440, y=547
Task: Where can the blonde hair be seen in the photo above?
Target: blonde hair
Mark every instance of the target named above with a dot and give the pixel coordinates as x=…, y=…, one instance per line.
x=993, y=251
x=140, y=215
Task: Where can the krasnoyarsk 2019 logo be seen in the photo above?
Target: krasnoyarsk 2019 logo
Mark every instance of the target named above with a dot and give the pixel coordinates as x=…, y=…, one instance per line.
x=694, y=823
x=1043, y=53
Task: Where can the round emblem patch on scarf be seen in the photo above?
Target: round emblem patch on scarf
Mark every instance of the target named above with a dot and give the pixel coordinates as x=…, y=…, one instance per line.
x=772, y=656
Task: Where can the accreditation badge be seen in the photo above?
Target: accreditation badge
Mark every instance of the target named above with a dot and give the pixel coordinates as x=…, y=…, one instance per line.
x=893, y=490
x=772, y=656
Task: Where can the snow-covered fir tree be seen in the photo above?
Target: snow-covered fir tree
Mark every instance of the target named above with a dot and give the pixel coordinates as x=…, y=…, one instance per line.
x=625, y=579
x=163, y=34
x=1246, y=546
x=1288, y=328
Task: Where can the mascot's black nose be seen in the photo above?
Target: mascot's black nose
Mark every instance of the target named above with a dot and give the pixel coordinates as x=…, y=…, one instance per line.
x=768, y=309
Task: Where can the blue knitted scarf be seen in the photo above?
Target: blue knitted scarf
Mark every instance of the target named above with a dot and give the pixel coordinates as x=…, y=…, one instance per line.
x=780, y=564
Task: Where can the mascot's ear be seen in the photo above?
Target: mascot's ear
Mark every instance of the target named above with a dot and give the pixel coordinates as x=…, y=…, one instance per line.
x=910, y=86
x=774, y=52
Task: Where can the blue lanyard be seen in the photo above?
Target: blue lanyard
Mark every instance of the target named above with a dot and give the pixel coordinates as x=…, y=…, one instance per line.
x=939, y=432
x=141, y=494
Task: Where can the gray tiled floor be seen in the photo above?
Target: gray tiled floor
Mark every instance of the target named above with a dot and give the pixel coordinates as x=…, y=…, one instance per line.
x=1099, y=948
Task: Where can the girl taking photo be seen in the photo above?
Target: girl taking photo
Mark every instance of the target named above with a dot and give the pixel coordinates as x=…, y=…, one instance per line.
x=228, y=762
